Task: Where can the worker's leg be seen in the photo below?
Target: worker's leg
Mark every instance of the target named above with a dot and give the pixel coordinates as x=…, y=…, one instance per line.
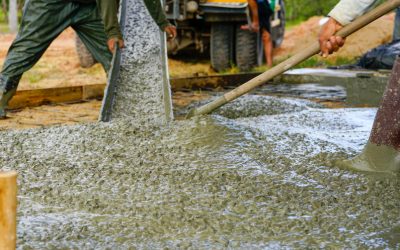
x=382, y=153
x=264, y=15
x=8, y=87
x=42, y=22
x=90, y=28
x=268, y=47
x=254, y=26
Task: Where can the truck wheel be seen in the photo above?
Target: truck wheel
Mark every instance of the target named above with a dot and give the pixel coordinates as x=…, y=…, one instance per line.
x=246, y=49
x=221, y=46
x=86, y=59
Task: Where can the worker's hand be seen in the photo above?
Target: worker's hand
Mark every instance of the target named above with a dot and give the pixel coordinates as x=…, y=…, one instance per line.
x=253, y=27
x=113, y=41
x=171, y=32
x=328, y=42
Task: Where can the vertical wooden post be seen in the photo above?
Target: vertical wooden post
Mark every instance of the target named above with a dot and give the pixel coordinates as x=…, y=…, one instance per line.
x=8, y=210
x=13, y=16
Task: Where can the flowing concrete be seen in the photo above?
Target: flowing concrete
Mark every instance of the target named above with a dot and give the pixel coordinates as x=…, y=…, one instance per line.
x=143, y=92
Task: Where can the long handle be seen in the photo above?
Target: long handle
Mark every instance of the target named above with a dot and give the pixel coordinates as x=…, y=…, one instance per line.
x=294, y=60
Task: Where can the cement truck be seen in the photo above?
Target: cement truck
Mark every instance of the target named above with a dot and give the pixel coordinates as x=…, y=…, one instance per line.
x=213, y=26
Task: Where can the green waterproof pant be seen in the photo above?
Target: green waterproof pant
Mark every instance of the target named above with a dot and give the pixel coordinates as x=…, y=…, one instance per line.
x=42, y=22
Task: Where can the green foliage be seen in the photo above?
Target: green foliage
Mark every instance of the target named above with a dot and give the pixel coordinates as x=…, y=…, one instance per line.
x=4, y=29
x=320, y=62
x=303, y=9
x=313, y=62
x=4, y=9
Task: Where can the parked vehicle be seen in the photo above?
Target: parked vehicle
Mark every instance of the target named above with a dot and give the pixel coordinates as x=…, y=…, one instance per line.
x=214, y=26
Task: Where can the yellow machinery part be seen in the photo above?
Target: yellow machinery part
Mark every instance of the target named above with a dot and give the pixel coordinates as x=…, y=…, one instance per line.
x=226, y=1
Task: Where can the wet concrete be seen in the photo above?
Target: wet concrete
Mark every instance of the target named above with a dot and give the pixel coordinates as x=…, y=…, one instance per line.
x=363, y=88
x=308, y=91
x=264, y=180
x=141, y=73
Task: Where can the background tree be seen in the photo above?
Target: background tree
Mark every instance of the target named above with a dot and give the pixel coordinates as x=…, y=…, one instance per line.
x=303, y=9
x=4, y=9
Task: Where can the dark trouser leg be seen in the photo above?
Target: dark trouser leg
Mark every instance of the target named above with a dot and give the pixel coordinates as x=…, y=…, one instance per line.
x=382, y=153
x=42, y=22
x=90, y=28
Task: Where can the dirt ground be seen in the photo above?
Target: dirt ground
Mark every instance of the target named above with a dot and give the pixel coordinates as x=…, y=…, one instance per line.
x=59, y=67
x=51, y=115
x=371, y=36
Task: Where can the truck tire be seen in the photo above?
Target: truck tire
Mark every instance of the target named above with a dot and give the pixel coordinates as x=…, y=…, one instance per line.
x=221, y=46
x=246, y=49
x=86, y=59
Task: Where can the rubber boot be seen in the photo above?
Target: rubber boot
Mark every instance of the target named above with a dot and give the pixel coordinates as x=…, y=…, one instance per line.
x=8, y=88
x=382, y=152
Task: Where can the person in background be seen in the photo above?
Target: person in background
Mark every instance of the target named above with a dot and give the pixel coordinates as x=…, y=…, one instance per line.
x=382, y=152
x=95, y=22
x=261, y=12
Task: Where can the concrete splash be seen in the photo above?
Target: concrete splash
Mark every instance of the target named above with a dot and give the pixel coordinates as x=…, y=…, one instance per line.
x=211, y=182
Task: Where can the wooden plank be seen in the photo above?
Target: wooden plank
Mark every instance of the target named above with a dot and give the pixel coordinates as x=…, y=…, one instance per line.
x=37, y=97
x=8, y=210
x=94, y=91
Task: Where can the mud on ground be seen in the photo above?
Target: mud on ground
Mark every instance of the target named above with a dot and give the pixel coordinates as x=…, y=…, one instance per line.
x=59, y=66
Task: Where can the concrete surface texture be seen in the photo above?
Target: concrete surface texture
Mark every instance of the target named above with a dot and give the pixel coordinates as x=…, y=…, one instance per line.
x=264, y=180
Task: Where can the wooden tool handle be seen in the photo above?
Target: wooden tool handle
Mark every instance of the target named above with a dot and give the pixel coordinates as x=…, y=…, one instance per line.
x=303, y=55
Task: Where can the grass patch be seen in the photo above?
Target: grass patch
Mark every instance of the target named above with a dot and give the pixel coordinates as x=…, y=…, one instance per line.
x=320, y=62
x=313, y=62
x=232, y=70
x=33, y=77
